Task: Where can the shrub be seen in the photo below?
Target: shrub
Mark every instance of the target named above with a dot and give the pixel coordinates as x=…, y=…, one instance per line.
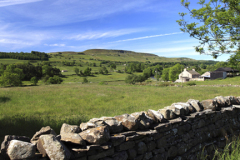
x=85, y=80
x=191, y=83
x=54, y=80
x=34, y=81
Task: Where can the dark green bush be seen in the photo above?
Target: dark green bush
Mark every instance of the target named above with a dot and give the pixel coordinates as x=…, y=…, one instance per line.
x=191, y=83
x=54, y=80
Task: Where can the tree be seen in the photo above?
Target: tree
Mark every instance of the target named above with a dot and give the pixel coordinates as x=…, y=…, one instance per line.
x=165, y=74
x=219, y=29
x=34, y=81
x=87, y=71
x=175, y=71
x=12, y=76
x=113, y=66
x=76, y=70
x=54, y=80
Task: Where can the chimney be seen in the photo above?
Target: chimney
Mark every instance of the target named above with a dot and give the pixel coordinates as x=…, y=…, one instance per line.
x=185, y=69
x=193, y=69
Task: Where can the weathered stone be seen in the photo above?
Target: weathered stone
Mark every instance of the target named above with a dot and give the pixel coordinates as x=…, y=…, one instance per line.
x=72, y=138
x=49, y=145
x=147, y=133
x=134, y=137
x=132, y=153
x=20, y=150
x=163, y=127
x=141, y=148
x=157, y=157
x=210, y=104
x=43, y=130
x=186, y=106
x=7, y=140
x=114, y=125
x=117, y=139
x=155, y=115
x=125, y=146
x=88, y=125
x=120, y=156
x=144, y=121
x=233, y=100
x=66, y=128
x=179, y=111
x=195, y=104
x=128, y=133
x=140, y=157
x=167, y=113
x=158, y=151
x=151, y=145
x=172, y=152
x=147, y=155
x=161, y=143
x=101, y=154
x=129, y=122
x=222, y=102
x=201, y=123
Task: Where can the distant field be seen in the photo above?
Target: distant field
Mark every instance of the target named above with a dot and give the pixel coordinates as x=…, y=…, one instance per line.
x=24, y=110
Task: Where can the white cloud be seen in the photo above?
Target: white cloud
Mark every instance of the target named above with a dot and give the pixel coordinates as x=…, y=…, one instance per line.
x=153, y=36
x=55, y=45
x=107, y=34
x=4, y=3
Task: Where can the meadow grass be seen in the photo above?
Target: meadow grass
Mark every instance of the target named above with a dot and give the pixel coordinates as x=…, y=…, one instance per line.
x=24, y=110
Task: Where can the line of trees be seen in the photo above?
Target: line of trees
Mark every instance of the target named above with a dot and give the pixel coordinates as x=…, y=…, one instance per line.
x=14, y=74
x=34, y=55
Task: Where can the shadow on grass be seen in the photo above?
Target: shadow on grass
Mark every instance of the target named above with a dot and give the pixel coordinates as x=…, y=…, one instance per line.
x=26, y=125
x=4, y=99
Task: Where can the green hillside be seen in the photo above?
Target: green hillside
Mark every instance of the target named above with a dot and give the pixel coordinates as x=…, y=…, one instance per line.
x=118, y=55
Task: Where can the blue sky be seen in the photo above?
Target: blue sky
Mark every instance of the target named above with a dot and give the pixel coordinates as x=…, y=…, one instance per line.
x=76, y=25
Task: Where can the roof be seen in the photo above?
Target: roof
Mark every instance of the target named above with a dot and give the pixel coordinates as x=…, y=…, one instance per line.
x=193, y=72
x=227, y=69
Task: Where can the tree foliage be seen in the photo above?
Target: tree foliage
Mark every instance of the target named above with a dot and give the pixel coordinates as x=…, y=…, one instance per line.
x=216, y=26
x=132, y=78
x=34, y=55
x=12, y=76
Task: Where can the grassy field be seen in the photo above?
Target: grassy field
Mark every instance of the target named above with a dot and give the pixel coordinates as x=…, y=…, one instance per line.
x=24, y=110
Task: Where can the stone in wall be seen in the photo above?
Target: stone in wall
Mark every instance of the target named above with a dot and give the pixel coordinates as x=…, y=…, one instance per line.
x=155, y=115
x=114, y=125
x=43, y=130
x=129, y=122
x=210, y=104
x=144, y=121
x=49, y=145
x=98, y=135
x=167, y=113
x=73, y=138
x=233, y=100
x=20, y=150
x=8, y=139
x=195, y=104
x=66, y=128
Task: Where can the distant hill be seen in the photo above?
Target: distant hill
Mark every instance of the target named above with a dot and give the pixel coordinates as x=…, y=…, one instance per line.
x=122, y=55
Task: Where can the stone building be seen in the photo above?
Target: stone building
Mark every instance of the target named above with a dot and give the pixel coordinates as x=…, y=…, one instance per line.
x=214, y=75
x=188, y=75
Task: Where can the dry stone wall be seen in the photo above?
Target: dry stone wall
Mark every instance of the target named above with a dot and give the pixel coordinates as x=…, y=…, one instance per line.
x=181, y=131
